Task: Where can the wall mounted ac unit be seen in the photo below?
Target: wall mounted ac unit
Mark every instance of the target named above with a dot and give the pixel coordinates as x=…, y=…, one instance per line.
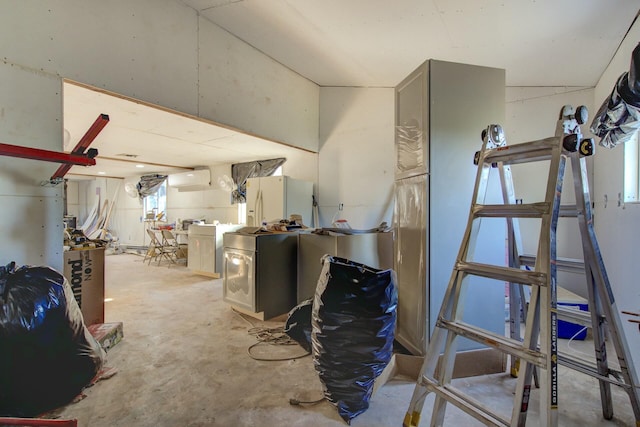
x=199, y=179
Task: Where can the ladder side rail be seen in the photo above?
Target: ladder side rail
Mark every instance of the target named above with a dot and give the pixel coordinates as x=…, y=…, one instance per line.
x=545, y=263
x=540, y=326
x=598, y=275
x=514, y=249
x=595, y=302
x=526, y=370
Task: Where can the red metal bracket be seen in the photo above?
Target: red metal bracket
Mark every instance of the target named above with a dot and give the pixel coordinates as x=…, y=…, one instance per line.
x=82, y=145
x=37, y=422
x=45, y=155
x=77, y=156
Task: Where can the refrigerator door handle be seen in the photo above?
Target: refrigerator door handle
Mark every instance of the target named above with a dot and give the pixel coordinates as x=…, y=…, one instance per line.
x=259, y=207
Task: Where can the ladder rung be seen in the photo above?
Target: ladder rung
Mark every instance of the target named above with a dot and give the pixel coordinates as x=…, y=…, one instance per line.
x=491, y=339
x=565, y=264
x=568, y=211
x=590, y=370
x=467, y=404
x=507, y=274
x=523, y=153
x=579, y=317
x=531, y=210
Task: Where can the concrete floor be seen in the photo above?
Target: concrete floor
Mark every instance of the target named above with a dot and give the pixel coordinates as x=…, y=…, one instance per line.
x=184, y=362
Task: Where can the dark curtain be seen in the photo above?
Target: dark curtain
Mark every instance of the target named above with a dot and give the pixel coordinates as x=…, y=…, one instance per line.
x=149, y=184
x=240, y=172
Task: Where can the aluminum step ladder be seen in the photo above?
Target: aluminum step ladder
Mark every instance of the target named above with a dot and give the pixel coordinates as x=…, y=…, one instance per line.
x=536, y=352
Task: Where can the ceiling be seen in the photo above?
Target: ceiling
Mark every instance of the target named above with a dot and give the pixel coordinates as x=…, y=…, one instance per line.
x=159, y=140
x=379, y=42
x=360, y=43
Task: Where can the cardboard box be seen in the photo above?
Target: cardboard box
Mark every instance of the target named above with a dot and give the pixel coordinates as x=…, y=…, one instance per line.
x=107, y=334
x=84, y=269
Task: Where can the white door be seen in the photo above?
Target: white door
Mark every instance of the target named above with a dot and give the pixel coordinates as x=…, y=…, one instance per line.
x=411, y=219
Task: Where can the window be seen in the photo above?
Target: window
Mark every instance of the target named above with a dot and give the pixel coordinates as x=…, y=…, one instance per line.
x=157, y=202
x=632, y=170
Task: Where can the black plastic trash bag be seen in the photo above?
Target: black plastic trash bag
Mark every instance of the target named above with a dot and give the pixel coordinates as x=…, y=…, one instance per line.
x=298, y=325
x=619, y=115
x=353, y=323
x=47, y=355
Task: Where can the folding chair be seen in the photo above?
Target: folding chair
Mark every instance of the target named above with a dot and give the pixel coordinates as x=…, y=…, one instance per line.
x=170, y=246
x=155, y=247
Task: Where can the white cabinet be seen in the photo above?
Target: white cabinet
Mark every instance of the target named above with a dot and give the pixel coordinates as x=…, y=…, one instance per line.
x=205, y=248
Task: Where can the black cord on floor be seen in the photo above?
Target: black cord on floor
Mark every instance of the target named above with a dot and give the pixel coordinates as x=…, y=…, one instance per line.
x=270, y=336
x=297, y=402
x=273, y=336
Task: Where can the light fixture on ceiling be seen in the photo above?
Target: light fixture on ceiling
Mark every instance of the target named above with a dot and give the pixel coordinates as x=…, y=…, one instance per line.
x=139, y=166
x=102, y=173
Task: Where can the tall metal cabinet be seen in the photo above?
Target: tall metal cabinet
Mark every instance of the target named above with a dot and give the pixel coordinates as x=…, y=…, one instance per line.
x=441, y=110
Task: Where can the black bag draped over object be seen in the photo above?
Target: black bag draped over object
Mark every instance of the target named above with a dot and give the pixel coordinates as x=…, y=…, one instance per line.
x=47, y=355
x=298, y=325
x=619, y=115
x=353, y=323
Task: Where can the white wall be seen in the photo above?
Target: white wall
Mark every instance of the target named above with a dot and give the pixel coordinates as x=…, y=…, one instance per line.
x=73, y=202
x=356, y=159
x=162, y=52
x=618, y=226
x=159, y=51
x=212, y=204
x=31, y=214
x=239, y=86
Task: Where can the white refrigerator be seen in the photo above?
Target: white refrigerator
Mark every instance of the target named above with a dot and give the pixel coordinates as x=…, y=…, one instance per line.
x=273, y=198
